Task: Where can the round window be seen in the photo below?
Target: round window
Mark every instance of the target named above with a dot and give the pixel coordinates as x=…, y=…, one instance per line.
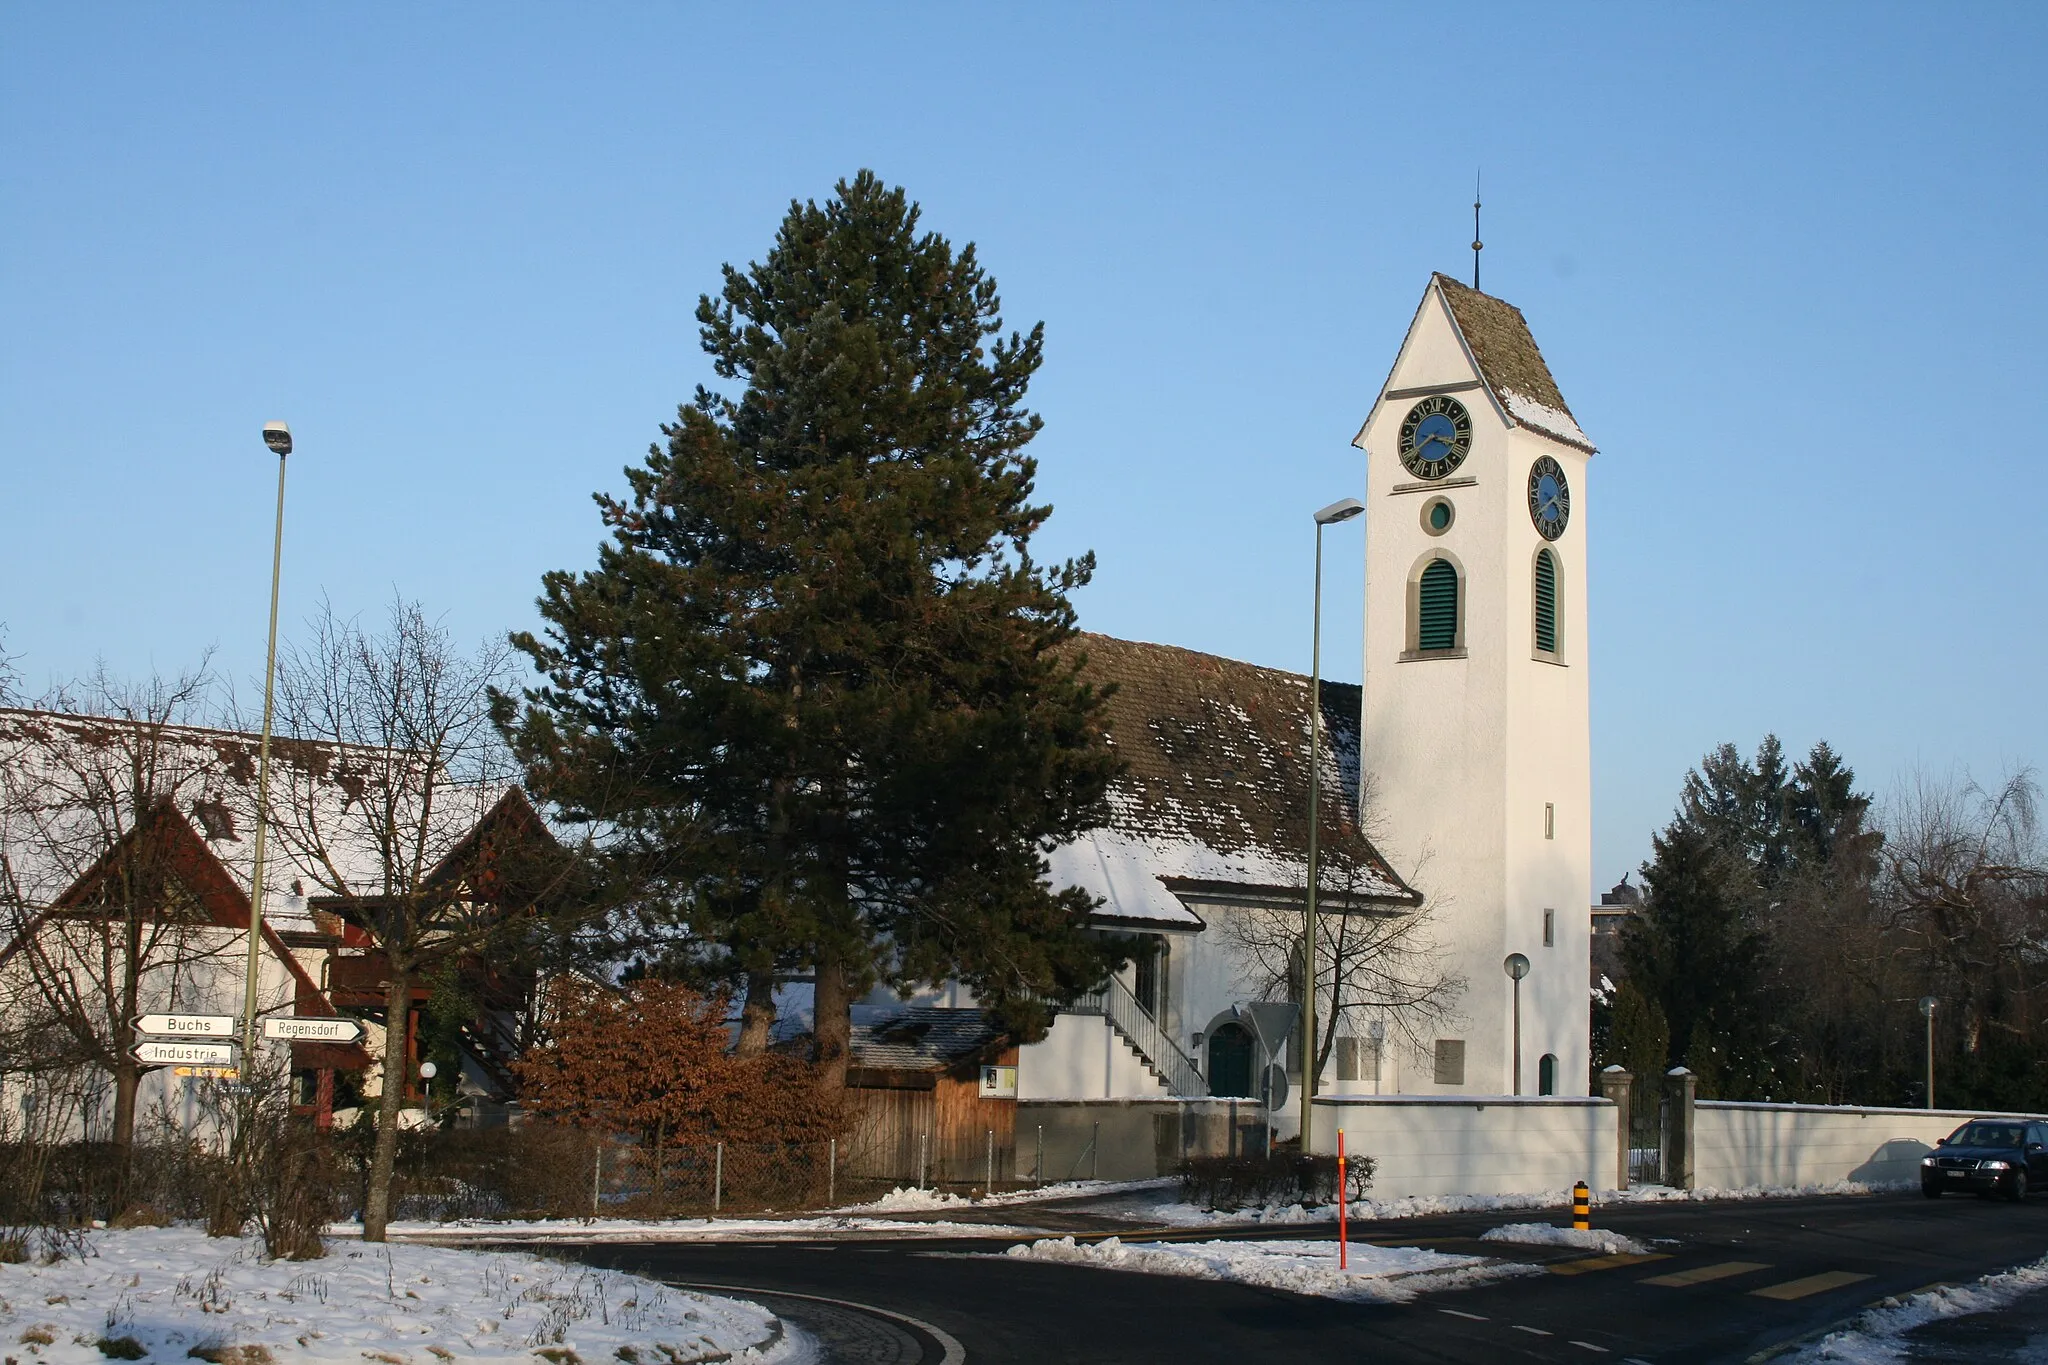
x=1437, y=516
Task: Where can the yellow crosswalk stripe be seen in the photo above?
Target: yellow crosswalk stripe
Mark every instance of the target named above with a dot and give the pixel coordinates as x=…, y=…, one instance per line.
x=1701, y=1274
x=1614, y=1262
x=1812, y=1284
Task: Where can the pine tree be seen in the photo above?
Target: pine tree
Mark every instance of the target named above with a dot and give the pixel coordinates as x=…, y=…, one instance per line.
x=813, y=683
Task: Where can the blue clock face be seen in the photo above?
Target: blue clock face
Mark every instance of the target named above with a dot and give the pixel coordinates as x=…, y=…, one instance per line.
x=1435, y=437
x=1550, y=498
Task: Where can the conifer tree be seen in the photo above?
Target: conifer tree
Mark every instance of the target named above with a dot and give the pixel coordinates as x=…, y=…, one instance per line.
x=812, y=684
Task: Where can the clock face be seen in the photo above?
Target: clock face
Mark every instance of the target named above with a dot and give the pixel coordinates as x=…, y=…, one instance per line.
x=1550, y=498
x=1436, y=437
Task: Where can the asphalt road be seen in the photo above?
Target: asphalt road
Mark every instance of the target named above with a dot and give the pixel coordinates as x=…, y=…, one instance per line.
x=1734, y=1282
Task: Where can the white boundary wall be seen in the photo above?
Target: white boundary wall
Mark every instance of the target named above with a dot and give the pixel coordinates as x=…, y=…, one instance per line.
x=1736, y=1145
x=1472, y=1144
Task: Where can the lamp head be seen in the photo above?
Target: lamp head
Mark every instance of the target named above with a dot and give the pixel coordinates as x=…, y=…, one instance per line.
x=1928, y=1005
x=1344, y=510
x=278, y=437
x=428, y=1071
x=1515, y=965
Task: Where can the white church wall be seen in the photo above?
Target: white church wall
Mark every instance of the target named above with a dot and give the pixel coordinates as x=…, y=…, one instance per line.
x=1083, y=1058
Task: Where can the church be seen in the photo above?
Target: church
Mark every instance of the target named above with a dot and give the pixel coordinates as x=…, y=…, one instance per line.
x=1455, y=816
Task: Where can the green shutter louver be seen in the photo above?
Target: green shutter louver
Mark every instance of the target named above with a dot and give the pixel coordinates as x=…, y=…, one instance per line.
x=1546, y=602
x=1436, y=625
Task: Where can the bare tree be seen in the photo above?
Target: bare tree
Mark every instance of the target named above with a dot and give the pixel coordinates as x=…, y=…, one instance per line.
x=1966, y=888
x=398, y=722
x=100, y=920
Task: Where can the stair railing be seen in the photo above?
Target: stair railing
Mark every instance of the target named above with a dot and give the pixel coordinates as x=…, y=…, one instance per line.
x=1120, y=1007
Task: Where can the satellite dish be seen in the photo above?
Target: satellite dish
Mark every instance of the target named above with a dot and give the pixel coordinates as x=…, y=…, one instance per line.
x=1276, y=1086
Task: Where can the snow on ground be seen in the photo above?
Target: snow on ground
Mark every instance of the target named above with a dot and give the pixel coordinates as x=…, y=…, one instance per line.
x=1074, y=1189
x=1878, y=1338
x=1421, y=1205
x=1376, y=1274
x=1547, y=1235
x=177, y=1293
x=910, y=1199
x=541, y=1230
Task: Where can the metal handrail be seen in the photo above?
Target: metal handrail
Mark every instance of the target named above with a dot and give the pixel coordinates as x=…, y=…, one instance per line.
x=1120, y=1007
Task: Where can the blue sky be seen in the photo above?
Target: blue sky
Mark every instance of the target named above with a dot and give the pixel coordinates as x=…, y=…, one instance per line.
x=1785, y=263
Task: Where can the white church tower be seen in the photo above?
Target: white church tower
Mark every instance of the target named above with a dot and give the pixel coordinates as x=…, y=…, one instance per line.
x=1476, y=716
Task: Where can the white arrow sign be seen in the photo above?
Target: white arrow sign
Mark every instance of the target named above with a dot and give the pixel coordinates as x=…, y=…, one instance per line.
x=188, y=1025
x=184, y=1054
x=313, y=1030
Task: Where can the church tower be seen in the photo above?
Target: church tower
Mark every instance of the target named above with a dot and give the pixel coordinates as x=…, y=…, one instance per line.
x=1476, y=715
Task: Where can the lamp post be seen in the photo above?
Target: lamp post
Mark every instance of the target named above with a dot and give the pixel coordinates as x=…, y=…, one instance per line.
x=1517, y=967
x=278, y=437
x=1343, y=510
x=427, y=1073
x=1928, y=1005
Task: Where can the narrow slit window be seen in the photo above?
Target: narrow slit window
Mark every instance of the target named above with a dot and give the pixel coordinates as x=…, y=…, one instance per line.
x=1550, y=928
x=1546, y=602
x=1436, y=603
x=1549, y=820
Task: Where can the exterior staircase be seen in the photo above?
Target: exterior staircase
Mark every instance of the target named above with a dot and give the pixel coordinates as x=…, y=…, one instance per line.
x=1141, y=1033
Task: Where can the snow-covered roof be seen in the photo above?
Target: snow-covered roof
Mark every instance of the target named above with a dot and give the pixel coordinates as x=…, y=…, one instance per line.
x=1510, y=362
x=64, y=777
x=919, y=1037
x=1214, y=793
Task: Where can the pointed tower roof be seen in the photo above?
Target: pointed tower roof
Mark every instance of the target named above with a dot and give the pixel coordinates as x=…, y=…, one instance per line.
x=1497, y=336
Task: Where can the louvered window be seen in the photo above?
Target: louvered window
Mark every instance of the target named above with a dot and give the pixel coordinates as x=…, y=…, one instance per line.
x=1436, y=624
x=1546, y=602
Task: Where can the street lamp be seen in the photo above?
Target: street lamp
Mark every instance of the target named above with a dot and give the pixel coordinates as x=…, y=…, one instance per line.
x=1517, y=967
x=427, y=1073
x=1928, y=1005
x=1343, y=510
x=278, y=437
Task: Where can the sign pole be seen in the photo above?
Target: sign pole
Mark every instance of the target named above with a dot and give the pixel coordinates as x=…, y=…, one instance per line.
x=263, y=774
x=1343, y=1208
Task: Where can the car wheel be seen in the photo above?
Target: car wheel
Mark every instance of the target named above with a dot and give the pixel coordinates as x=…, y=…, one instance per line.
x=1932, y=1191
x=2016, y=1186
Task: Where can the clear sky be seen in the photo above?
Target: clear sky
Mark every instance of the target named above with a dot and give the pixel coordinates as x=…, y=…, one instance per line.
x=1786, y=263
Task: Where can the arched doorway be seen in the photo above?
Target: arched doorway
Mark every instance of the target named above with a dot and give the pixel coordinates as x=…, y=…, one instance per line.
x=1230, y=1060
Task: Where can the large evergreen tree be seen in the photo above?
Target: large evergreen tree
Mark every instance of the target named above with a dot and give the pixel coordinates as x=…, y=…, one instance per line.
x=812, y=685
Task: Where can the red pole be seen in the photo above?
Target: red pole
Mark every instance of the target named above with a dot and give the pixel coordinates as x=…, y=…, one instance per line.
x=1343, y=1207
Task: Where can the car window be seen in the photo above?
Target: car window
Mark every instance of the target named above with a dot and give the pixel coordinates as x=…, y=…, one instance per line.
x=1988, y=1135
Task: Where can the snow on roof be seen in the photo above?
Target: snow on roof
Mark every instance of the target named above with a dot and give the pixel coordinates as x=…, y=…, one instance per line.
x=919, y=1037
x=1510, y=362
x=1215, y=786
x=62, y=776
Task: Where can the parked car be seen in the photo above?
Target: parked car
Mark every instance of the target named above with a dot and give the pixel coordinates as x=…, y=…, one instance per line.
x=1985, y=1156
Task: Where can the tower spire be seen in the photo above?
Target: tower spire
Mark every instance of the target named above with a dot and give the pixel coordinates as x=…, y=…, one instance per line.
x=1477, y=245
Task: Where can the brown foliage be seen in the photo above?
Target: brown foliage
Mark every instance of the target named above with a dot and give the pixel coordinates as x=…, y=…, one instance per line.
x=655, y=1060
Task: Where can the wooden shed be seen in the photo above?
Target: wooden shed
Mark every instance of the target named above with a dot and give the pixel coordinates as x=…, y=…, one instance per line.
x=934, y=1098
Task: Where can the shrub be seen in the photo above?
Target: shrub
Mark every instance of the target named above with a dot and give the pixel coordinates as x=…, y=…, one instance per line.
x=1234, y=1182
x=121, y=1348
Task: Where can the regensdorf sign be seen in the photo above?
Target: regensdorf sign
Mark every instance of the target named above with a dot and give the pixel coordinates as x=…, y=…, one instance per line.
x=313, y=1030
x=156, y=1053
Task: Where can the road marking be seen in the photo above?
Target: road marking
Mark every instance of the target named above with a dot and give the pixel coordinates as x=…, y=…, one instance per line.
x=1614, y=1262
x=1533, y=1331
x=1476, y=1317
x=953, y=1353
x=1812, y=1284
x=1701, y=1274
x=1591, y=1347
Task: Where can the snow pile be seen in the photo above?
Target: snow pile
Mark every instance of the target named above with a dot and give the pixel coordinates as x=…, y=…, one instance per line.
x=1652, y=1194
x=1877, y=1337
x=1423, y=1205
x=1376, y=1274
x=457, y=1231
x=910, y=1199
x=1075, y=1189
x=171, y=1293
x=1585, y=1239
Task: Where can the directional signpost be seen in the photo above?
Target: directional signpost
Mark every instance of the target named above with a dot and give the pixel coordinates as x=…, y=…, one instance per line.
x=187, y=1025
x=313, y=1030
x=155, y=1052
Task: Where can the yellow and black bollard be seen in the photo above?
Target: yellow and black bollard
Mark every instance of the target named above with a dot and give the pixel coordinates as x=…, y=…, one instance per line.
x=1582, y=1207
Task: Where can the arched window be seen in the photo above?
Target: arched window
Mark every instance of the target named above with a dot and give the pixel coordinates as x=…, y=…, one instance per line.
x=1436, y=607
x=1546, y=602
x=1546, y=1074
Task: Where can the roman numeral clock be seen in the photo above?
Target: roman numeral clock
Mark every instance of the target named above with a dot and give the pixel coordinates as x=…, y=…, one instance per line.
x=1550, y=498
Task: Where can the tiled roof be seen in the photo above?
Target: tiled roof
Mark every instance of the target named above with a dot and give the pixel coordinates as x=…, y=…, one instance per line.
x=919, y=1037
x=1215, y=787
x=1511, y=363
